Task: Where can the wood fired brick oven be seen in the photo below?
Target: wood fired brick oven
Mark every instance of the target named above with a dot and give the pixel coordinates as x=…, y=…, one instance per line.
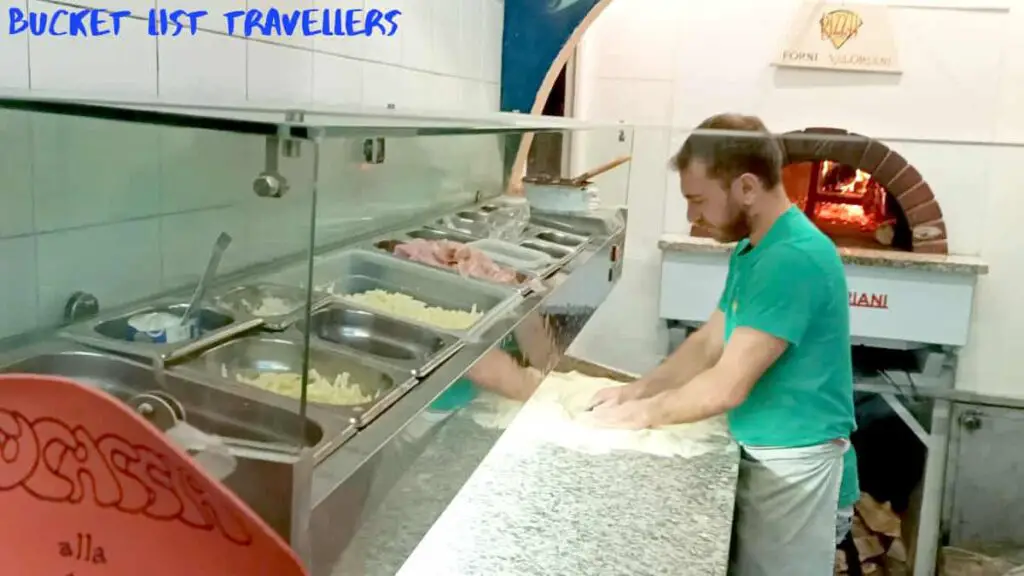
x=892, y=234
x=860, y=192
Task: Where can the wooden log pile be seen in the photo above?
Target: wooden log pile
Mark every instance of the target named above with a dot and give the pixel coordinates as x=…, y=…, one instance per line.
x=883, y=552
x=876, y=533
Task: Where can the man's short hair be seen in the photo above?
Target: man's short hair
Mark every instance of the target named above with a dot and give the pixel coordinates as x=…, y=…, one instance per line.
x=751, y=149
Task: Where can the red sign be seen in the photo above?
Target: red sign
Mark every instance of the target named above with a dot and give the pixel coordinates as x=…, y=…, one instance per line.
x=96, y=490
x=878, y=300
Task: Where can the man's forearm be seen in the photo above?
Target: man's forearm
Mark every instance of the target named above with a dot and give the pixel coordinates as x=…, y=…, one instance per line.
x=536, y=343
x=500, y=373
x=694, y=355
x=706, y=395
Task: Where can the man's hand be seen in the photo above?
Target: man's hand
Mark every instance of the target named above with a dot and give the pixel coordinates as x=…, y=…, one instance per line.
x=629, y=415
x=715, y=391
x=615, y=395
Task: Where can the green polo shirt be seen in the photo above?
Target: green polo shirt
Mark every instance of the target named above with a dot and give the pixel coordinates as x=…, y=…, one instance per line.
x=792, y=285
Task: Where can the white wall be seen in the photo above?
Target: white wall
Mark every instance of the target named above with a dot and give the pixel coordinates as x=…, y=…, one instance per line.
x=124, y=211
x=446, y=54
x=662, y=62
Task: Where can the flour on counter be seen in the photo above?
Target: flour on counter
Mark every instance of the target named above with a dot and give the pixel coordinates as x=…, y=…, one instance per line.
x=551, y=416
x=490, y=410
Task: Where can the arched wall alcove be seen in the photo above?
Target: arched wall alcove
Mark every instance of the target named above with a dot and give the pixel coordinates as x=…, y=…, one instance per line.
x=534, y=22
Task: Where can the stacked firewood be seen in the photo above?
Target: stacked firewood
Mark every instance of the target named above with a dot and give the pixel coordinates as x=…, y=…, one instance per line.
x=876, y=533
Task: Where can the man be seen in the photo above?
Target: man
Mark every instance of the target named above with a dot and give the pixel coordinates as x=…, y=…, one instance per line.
x=774, y=356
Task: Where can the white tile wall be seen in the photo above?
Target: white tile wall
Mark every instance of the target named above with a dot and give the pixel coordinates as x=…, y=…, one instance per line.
x=117, y=263
x=124, y=211
x=13, y=53
x=19, y=305
x=75, y=181
x=716, y=57
x=16, y=166
x=187, y=72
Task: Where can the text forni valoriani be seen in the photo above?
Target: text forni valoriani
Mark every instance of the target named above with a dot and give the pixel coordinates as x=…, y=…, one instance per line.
x=163, y=22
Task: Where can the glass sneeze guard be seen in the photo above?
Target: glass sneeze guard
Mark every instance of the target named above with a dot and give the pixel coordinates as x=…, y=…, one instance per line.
x=288, y=121
x=114, y=210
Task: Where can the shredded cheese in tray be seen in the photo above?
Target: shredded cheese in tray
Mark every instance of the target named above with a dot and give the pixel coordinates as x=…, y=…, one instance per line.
x=340, y=392
x=405, y=306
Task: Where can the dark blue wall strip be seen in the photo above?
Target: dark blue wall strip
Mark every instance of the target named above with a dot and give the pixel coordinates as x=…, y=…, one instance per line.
x=535, y=32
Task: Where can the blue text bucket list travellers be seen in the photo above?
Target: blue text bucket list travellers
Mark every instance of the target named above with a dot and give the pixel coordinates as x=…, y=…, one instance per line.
x=97, y=22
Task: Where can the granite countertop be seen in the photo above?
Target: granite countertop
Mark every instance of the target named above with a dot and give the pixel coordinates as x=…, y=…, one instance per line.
x=533, y=508
x=856, y=256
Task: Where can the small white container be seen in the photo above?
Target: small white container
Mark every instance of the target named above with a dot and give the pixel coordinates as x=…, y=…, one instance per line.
x=512, y=255
x=560, y=198
x=161, y=327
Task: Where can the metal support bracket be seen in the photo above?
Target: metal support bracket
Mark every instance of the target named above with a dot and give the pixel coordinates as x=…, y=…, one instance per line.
x=270, y=183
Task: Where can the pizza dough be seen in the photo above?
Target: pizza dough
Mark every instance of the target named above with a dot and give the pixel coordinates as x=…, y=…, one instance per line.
x=552, y=416
x=494, y=411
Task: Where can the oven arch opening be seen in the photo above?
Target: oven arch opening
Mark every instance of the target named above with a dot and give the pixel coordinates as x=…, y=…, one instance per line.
x=848, y=205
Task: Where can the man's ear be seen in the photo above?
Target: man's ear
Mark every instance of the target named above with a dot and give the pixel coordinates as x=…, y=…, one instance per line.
x=745, y=187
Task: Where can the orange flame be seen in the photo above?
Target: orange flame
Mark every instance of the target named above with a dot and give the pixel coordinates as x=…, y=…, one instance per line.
x=856, y=187
x=853, y=194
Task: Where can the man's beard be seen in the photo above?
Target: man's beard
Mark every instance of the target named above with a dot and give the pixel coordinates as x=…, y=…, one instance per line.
x=735, y=230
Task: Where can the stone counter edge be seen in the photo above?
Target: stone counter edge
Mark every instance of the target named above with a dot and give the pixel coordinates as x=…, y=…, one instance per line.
x=854, y=256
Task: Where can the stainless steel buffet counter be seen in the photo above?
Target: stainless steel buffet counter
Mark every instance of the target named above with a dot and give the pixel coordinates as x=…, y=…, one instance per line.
x=354, y=459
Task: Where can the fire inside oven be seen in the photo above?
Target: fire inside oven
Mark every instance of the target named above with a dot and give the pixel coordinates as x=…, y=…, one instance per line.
x=848, y=205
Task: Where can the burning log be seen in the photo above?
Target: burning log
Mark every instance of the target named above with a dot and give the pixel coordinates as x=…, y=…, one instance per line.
x=848, y=204
x=885, y=233
x=837, y=176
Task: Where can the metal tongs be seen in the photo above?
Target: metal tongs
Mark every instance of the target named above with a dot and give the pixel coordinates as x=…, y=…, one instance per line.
x=222, y=243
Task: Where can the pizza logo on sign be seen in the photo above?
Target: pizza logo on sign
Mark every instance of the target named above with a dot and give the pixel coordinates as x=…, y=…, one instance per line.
x=838, y=26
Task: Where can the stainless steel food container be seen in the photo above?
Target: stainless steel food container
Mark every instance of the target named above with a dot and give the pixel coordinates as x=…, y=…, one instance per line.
x=112, y=332
x=388, y=243
x=251, y=355
x=359, y=270
x=403, y=345
x=239, y=300
x=559, y=253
